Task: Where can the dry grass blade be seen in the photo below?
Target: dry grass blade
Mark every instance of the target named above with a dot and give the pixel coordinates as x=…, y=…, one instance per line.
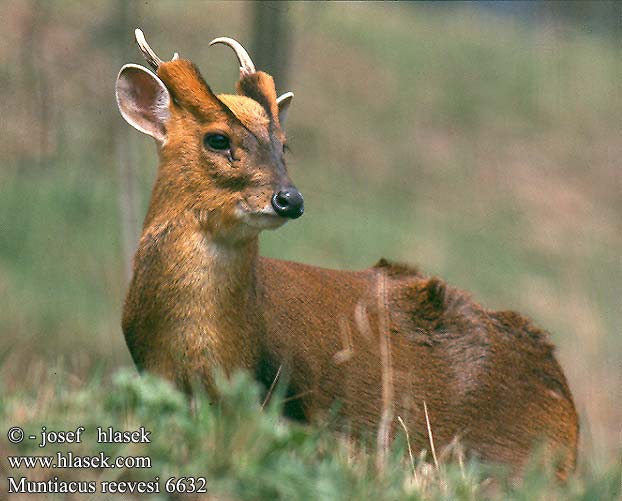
x=362, y=320
x=387, y=376
x=427, y=422
x=346, y=353
x=297, y=396
x=410, y=451
x=271, y=389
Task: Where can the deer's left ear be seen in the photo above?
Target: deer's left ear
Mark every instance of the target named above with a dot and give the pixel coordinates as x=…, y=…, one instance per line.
x=283, y=102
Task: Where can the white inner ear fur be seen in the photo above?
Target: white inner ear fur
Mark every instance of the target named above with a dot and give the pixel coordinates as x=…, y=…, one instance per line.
x=283, y=102
x=143, y=100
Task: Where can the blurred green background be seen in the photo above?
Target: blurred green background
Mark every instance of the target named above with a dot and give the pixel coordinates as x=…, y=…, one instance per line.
x=479, y=141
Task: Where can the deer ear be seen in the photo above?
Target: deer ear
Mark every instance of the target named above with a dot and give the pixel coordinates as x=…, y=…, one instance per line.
x=283, y=102
x=143, y=100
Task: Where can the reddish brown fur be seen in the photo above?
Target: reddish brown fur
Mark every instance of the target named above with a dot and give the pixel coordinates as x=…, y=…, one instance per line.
x=202, y=298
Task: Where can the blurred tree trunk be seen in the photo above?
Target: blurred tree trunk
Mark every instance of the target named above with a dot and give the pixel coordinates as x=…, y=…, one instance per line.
x=35, y=76
x=271, y=40
x=122, y=34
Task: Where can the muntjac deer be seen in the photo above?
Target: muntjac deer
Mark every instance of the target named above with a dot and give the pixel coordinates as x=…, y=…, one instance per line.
x=387, y=338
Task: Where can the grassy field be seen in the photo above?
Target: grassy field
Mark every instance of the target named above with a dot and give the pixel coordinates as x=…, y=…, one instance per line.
x=484, y=149
x=247, y=453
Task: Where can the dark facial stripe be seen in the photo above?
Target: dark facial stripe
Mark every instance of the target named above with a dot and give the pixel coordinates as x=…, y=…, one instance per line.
x=232, y=182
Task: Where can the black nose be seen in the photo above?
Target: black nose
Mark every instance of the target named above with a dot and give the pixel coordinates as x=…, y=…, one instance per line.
x=288, y=203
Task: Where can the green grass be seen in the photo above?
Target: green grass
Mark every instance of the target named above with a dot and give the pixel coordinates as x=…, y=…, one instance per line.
x=60, y=261
x=245, y=452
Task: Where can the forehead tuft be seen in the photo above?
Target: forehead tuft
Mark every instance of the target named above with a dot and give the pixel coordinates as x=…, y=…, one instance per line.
x=190, y=91
x=247, y=110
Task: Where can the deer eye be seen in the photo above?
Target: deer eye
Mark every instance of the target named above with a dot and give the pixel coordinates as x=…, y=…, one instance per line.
x=217, y=141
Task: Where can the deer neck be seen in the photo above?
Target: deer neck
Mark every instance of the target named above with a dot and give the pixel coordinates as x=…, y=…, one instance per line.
x=227, y=302
x=229, y=275
x=221, y=276
x=210, y=300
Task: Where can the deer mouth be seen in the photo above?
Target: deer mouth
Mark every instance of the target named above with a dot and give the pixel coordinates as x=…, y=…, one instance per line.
x=263, y=219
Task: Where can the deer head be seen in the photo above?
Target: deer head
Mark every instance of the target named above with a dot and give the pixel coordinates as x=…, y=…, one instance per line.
x=221, y=155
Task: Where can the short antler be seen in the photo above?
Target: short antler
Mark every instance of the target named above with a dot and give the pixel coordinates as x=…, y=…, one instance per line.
x=246, y=63
x=151, y=57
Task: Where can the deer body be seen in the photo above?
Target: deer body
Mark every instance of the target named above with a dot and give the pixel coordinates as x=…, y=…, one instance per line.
x=201, y=297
